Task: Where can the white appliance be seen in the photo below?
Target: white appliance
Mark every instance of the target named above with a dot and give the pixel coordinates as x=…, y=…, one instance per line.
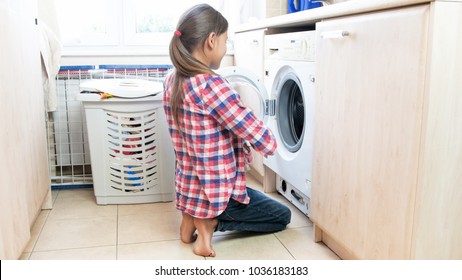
x=289, y=79
x=285, y=102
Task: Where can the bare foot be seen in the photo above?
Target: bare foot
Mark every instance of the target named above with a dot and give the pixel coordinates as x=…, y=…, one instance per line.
x=203, y=245
x=187, y=229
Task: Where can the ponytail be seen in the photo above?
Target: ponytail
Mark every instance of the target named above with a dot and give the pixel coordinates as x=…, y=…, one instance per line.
x=193, y=28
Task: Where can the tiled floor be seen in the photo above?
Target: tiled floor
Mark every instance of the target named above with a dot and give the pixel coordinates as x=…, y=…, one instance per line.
x=78, y=228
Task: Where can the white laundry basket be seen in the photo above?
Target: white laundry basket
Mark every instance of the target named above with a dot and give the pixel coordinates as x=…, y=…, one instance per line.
x=132, y=157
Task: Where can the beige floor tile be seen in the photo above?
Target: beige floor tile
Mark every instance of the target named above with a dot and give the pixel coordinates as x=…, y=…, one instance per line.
x=54, y=194
x=160, y=250
x=84, y=193
x=36, y=230
x=299, y=241
x=77, y=233
x=147, y=227
x=75, y=208
x=299, y=219
x=94, y=253
x=146, y=208
x=248, y=246
x=78, y=228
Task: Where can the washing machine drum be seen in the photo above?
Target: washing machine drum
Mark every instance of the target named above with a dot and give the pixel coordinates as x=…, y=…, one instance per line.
x=289, y=105
x=290, y=112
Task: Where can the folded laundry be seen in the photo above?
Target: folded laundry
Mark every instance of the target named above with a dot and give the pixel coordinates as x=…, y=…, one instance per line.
x=124, y=88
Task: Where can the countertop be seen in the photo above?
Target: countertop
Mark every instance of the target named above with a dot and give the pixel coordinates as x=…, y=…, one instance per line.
x=310, y=17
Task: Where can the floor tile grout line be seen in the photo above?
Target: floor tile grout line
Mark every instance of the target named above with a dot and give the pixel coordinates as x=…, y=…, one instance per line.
x=76, y=248
x=117, y=234
x=148, y=241
x=43, y=225
x=285, y=247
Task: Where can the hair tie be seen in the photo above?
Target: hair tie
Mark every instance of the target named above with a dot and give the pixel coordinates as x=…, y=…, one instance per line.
x=177, y=33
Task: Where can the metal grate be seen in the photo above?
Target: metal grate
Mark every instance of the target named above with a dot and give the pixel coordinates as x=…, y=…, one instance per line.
x=68, y=148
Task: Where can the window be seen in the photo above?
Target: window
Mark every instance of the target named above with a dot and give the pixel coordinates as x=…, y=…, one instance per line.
x=88, y=22
x=136, y=24
x=148, y=24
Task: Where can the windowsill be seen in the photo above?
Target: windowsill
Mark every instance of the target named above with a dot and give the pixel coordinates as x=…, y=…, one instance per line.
x=103, y=53
x=125, y=57
x=118, y=52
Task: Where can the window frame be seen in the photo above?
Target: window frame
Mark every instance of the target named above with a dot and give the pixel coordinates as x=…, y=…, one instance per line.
x=122, y=38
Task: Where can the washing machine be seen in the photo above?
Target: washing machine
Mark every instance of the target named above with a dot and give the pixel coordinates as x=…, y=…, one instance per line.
x=289, y=79
x=284, y=101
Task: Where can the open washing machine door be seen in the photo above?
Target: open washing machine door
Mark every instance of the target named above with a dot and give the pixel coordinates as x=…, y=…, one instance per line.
x=251, y=90
x=253, y=93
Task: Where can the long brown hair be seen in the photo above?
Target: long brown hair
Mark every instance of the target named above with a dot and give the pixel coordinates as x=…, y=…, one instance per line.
x=194, y=27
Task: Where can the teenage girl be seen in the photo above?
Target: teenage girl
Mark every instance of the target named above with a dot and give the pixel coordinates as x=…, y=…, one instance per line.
x=208, y=125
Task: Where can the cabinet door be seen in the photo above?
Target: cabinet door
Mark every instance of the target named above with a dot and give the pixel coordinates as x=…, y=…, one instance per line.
x=24, y=177
x=248, y=51
x=369, y=99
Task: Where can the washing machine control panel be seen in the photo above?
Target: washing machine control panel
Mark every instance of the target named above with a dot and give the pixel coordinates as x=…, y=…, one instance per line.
x=298, y=46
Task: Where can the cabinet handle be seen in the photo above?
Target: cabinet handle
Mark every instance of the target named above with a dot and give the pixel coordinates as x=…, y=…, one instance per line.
x=255, y=42
x=336, y=34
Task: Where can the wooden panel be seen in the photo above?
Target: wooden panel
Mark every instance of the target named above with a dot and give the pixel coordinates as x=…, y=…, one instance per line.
x=369, y=100
x=24, y=179
x=438, y=227
x=248, y=51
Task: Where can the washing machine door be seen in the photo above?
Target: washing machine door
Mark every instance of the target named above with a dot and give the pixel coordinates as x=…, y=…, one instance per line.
x=290, y=109
x=251, y=89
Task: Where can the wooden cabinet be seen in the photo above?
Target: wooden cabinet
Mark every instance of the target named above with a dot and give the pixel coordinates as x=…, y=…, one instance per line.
x=249, y=49
x=24, y=177
x=388, y=141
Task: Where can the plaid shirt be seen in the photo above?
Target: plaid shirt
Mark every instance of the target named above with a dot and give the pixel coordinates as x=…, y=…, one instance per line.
x=210, y=166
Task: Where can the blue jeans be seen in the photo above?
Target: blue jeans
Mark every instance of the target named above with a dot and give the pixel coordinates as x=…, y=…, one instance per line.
x=262, y=214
